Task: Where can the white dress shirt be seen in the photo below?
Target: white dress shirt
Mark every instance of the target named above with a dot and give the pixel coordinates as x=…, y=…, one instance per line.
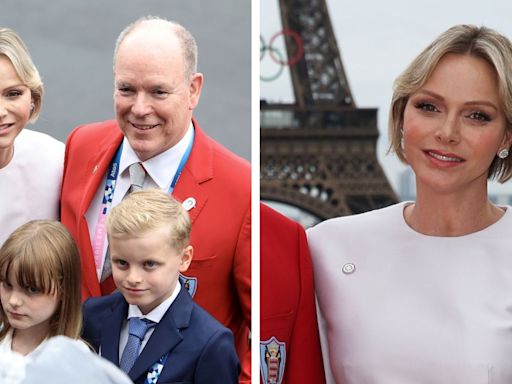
x=155, y=316
x=160, y=172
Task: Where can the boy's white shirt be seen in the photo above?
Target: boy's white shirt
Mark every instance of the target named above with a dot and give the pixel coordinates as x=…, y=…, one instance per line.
x=155, y=315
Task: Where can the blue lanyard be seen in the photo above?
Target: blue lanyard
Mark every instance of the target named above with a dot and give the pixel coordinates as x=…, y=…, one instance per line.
x=183, y=160
x=113, y=171
x=112, y=174
x=98, y=241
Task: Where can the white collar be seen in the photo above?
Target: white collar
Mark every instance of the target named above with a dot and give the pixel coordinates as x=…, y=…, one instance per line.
x=156, y=314
x=162, y=167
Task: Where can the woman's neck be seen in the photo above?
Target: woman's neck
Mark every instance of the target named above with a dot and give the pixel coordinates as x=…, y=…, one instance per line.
x=451, y=214
x=6, y=156
x=25, y=341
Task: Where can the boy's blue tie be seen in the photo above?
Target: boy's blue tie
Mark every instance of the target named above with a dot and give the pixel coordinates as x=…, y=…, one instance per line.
x=137, y=328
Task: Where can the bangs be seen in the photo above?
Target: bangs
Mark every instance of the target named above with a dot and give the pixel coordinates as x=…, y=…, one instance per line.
x=42, y=276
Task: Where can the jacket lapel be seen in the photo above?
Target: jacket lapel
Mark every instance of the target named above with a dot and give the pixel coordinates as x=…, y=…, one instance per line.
x=166, y=335
x=113, y=323
x=197, y=171
x=95, y=171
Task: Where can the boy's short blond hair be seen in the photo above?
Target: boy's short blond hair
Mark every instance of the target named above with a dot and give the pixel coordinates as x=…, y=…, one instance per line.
x=150, y=209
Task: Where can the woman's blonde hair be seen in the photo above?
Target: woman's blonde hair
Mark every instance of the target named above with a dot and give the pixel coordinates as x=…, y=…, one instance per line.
x=481, y=42
x=42, y=254
x=12, y=47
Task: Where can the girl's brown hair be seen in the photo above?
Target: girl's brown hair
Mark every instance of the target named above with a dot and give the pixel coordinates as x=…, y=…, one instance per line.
x=42, y=254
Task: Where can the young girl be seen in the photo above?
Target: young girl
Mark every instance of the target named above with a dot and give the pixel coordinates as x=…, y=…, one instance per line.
x=39, y=286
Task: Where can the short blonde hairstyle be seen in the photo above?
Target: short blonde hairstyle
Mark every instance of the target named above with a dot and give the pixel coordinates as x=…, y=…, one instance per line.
x=187, y=42
x=150, y=209
x=480, y=42
x=42, y=254
x=12, y=47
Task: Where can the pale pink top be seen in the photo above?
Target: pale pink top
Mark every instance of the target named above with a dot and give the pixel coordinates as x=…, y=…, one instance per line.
x=31, y=182
x=400, y=307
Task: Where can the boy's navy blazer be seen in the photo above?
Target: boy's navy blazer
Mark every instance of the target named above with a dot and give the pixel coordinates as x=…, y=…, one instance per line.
x=201, y=350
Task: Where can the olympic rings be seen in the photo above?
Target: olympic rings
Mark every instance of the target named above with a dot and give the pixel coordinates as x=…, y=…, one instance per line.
x=281, y=67
x=299, y=44
x=277, y=56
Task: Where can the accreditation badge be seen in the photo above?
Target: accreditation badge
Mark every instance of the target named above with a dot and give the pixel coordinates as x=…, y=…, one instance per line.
x=272, y=360
x=189, y=283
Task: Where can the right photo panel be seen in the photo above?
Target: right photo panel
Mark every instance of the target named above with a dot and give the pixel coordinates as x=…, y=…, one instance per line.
x=385, y=216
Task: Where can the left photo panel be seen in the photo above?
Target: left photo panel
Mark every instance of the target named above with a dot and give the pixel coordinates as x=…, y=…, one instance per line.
x=125, y=156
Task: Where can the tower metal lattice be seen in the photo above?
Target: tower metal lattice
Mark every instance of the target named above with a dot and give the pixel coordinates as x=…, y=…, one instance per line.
x=319, y=154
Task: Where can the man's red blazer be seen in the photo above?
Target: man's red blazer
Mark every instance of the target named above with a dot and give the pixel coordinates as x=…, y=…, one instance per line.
x=290, y=345
x=220, y=183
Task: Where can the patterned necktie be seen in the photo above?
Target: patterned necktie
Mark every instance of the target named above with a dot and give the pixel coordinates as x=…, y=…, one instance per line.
x=137, y=328
x=137, y=176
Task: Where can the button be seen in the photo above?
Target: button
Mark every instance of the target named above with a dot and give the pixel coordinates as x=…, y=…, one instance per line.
x=348, y=268
x=189, y=203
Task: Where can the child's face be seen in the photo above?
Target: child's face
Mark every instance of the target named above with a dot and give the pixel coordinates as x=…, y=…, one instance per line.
x=26, y=307
x=146, y=268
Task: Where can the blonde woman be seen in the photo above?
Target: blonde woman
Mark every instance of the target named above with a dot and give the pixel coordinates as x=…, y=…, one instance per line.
x=31, y=162
x=420, y=292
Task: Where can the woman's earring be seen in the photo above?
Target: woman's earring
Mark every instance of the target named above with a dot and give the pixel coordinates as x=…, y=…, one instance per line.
x=32, y=106
x=402, y=144
x=503, y=154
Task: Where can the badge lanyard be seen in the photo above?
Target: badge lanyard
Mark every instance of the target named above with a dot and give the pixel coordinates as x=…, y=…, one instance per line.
x=98, y=242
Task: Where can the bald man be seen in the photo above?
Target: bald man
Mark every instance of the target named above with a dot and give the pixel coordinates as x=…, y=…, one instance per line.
x=155, y=142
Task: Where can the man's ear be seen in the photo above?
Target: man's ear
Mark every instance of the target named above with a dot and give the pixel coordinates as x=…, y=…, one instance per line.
x=195, y=86
x=186, y=258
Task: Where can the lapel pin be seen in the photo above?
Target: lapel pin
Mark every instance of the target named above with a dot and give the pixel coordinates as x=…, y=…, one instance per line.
x=189, y=203
x=348, y=268
x=95, y=169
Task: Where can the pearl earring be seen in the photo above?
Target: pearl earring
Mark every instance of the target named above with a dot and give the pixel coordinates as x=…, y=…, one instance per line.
x=503, y=154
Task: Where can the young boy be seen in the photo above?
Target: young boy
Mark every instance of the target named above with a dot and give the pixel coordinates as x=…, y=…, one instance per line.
x=177, y=341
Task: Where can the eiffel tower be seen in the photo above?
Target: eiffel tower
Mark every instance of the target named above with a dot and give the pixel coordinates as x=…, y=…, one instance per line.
x=319, y=154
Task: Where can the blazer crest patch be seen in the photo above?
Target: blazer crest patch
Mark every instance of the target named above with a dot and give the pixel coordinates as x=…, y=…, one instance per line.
x=272, y=360
x=189, y=283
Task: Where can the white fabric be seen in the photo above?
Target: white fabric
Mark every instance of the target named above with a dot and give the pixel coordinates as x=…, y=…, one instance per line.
x=31, y=181
x=59, y=360
x=6, y=344
x=160, y=172
x=417, y=308
x=155, y=316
